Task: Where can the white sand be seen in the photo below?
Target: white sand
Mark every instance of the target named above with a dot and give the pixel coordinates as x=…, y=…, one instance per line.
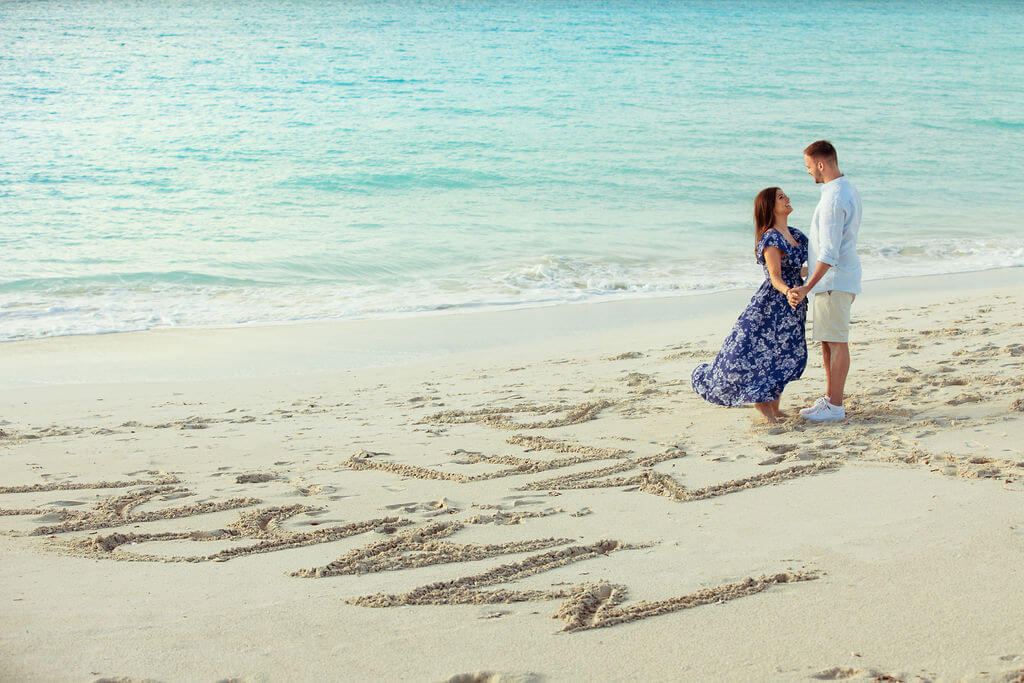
x=418, y=499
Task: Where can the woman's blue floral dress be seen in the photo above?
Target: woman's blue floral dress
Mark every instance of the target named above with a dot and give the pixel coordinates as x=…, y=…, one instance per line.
x=767, y=348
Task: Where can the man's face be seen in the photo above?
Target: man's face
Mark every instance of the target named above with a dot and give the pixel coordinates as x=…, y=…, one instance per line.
x=813, y=169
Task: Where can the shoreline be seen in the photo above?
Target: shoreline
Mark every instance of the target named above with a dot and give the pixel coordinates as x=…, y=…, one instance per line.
x=604, y=298
x=190, y=354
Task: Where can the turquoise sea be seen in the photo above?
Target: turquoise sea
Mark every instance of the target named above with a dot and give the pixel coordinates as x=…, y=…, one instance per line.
x=234, y=162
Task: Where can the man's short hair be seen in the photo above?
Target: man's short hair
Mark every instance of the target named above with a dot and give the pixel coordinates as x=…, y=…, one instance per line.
x=822, y=149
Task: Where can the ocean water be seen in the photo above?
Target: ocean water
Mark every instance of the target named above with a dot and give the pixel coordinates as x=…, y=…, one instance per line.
x=225, y=163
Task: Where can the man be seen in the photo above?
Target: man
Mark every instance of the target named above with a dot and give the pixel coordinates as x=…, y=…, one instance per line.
x=835, y=274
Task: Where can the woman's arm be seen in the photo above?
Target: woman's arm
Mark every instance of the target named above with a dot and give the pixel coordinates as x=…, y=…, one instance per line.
x=773, y=259
x=803, y=272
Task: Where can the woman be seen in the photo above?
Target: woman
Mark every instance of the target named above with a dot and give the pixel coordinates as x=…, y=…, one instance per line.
x=766, y=348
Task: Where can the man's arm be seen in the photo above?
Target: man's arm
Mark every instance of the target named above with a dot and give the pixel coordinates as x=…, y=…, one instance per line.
x=833, y=221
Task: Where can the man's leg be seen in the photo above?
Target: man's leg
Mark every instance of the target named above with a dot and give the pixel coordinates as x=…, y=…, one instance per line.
x=837, y=367
x=826, y=358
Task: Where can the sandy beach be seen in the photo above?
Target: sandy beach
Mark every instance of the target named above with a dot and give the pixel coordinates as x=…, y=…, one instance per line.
x=522, y=495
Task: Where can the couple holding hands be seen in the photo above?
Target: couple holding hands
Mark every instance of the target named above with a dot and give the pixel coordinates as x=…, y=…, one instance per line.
x=767, y=348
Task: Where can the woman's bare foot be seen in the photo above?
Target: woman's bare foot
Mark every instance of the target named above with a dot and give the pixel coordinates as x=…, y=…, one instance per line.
x=776, y=410
x=767, y=411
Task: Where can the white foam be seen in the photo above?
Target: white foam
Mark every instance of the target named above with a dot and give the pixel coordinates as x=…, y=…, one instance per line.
x=545, y=281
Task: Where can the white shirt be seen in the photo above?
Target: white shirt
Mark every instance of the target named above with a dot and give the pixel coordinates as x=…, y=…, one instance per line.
x=833, y=237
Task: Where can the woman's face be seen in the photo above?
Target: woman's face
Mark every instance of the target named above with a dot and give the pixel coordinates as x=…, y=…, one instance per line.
x=782, y=207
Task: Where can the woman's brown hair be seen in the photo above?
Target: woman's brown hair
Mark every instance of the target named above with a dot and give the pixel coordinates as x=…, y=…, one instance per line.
x=764, y=212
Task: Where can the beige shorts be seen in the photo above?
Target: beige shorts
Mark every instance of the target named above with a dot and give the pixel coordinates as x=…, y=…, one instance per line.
x=831, y=322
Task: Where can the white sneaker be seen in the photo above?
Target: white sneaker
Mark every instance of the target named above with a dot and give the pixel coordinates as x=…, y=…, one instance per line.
x=827, y=413
x=815, y=407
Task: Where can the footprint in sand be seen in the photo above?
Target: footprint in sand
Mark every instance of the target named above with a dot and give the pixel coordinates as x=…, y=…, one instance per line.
x=492, y=677
x=628, y=355
x=256, y=478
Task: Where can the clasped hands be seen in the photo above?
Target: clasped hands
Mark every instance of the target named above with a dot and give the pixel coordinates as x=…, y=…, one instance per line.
x=797, y=294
